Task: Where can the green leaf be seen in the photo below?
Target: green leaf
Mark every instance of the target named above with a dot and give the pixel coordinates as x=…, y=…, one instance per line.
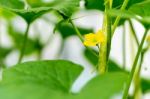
x=121, y=13
x=145, y=85
x=67, y=7
x=67, y=30
x=99, y=4
x=90, y=57
x=95, y=4
x=104, y=86
x=36, y=3
x=53, y=80
x=142, y=9
x=112, y=66
x=39, y=80
x=6, y=14
x=4, y=52
x=138, y=10
x=14, y=4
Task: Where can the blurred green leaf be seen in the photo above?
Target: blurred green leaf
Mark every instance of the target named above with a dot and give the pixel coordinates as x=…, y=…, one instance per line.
x=145, y=85
x=4, y=52
x=67, y=30
x=104, y=86
x=33, y=45
x=13, y=4
x=142, y=9
x=66, y=7
x=139, y=11
x=99, y=4
x=95, y=4
x=112, y=66
x=36, y=3
x=54, y=79
x=6, y=14
x=121, y=13
x=90, y=57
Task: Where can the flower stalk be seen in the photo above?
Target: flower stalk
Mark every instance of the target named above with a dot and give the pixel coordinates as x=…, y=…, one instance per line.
x=81, y=38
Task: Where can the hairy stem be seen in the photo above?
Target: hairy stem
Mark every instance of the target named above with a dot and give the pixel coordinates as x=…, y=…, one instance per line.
x=125, y=94
x=102, y=61
x=24, y=44
x=105, y=47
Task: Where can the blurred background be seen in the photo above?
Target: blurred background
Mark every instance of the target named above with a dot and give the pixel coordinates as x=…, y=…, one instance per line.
x=43, y=44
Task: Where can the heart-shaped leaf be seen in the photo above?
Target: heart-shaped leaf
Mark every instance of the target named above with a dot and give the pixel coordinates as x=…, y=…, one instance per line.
x=38, y=80
x=66, y=7
x=53, y=80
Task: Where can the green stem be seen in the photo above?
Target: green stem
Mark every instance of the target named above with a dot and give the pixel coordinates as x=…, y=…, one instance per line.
x=133, y=32
x=124, y=5
x=1, y=62
x=137, y=90
x=81, y=38
x=108, y=36
x=102, y=61
x=124, y=46
x=125, y=94
x=39, y=55
x=24, y=44
x=137, y=77
x=0, y=51
x=77, y=31
x=105, y=47
x=136, y=93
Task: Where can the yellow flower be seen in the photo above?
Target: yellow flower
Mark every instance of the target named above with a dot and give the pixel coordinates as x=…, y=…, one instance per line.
x=92, y=39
